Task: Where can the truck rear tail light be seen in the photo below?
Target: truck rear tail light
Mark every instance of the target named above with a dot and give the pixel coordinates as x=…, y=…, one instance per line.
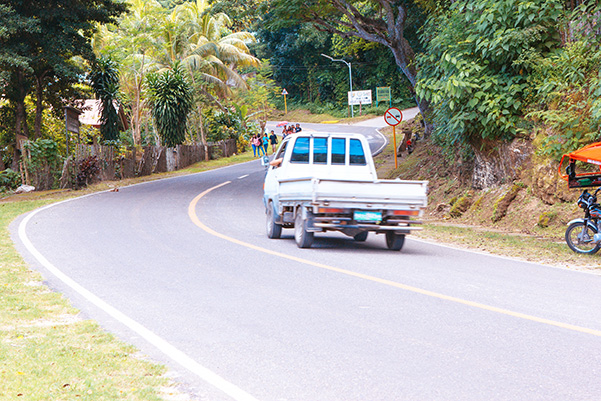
x=405, y=212
x=330, y=210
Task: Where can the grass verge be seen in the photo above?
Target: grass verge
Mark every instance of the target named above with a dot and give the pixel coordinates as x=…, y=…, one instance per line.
x=47, y=352
x=525, y=247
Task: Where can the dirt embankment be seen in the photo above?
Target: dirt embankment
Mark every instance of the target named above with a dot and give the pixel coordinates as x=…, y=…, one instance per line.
x=532, y=199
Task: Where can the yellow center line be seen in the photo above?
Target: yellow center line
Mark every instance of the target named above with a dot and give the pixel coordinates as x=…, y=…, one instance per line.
x=196, y=220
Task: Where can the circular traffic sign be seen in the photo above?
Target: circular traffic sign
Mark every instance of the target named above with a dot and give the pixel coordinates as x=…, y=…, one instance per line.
x=393, y=116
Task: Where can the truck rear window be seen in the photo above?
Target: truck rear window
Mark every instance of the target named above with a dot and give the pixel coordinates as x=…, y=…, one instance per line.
x=300, y=152
x=356, y=154
x=320, y=150
x=338, y=150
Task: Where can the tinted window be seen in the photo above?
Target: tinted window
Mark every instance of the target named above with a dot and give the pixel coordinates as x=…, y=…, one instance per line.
x=300, y=152
x=320, y=150
x=356, y=155
x=338, y=150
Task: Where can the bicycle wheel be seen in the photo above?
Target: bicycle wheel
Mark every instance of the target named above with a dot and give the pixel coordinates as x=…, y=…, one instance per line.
x=580, y=238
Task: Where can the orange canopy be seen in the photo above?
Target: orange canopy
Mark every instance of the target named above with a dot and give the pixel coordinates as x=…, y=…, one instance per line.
x=588, y=154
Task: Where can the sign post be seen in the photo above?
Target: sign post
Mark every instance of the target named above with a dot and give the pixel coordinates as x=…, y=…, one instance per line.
x=284, y=93
x=393, y=117
x=71, y=125
x=383, y=94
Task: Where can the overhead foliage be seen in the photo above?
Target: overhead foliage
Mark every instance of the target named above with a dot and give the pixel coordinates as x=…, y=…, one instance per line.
x=38, y=44
x=386, y=22
x=156, y=35
x=473, y=69
x=170, y=98
x=566, y=86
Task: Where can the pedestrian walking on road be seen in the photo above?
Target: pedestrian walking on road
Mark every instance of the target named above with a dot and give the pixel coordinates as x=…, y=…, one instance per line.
x=253, y=143
x=273, y=139
x=258, y=144
x=265, y=143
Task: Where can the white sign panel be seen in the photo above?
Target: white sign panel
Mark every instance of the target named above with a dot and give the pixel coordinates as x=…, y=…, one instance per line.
x=359, y=97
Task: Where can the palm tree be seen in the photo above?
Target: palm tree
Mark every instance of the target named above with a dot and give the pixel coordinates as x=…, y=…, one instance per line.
x=212, y=54
x=135, y=43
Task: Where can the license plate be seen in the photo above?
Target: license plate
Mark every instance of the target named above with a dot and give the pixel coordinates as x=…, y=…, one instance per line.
x=366, y=215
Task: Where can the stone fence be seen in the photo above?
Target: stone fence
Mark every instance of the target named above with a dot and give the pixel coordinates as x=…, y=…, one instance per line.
x=151, y=159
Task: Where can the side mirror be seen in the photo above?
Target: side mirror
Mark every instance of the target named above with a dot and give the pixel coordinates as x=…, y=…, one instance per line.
x=265, y=161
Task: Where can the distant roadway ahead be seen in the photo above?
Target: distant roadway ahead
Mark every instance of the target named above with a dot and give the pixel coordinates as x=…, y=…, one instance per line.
x=182, y=268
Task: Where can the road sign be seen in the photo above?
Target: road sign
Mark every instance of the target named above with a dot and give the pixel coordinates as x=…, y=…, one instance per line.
x=284, y=92
x=393, y=116
x=359, y=97
x=383, y=95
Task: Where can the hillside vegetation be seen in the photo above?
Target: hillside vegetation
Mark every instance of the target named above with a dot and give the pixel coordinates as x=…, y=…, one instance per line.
x=524, y=217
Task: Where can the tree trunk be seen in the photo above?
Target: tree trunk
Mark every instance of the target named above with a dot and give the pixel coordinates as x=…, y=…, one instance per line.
x=21, y=127
x=405, y=60
x=387, y=29
x=203, y=136
x=39, y=105
x=39, y=108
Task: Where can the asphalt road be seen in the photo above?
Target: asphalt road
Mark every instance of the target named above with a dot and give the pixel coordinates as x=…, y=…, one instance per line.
x=190, y=277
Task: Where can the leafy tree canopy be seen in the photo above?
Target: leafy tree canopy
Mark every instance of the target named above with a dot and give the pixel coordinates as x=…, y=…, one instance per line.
x=473, y=70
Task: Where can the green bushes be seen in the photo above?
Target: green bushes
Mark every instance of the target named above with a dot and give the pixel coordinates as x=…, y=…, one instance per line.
x=472, y=71
x=43, y=163
x=9, y=179
x=566, y=89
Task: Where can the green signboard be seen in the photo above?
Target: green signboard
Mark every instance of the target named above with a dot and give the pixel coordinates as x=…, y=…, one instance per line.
x=383, y=95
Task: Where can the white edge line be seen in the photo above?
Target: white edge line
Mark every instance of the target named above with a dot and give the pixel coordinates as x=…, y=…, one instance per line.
x=169, y=350
x=378, y=151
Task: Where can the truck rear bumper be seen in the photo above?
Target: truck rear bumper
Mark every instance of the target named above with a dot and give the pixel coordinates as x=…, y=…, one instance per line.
x=364, y=227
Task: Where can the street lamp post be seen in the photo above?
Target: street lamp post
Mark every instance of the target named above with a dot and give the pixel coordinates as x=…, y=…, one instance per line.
x=350, y=76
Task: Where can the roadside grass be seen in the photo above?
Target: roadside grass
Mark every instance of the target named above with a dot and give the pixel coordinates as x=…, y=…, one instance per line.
x=47, y=351
x=525, y=247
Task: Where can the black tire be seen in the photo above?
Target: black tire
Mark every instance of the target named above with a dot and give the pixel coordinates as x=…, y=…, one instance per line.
x=581, y=241
x=361, y=237
x=394, y=242
x=303, y=238
x=274, y=230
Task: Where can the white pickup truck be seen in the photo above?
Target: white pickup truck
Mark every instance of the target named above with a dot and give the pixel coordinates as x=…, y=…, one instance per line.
x=320, y=182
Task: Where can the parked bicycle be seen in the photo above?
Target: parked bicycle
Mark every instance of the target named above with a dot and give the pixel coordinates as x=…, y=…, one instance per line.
x=584, y=235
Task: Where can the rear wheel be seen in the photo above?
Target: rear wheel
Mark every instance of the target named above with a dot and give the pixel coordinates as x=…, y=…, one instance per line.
x=303, y=238
x=361, y=237
x=274, y=230
x=394, y=241
x=580, y=238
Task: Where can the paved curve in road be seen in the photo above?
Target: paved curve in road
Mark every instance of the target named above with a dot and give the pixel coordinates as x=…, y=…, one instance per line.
x=182, y=268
